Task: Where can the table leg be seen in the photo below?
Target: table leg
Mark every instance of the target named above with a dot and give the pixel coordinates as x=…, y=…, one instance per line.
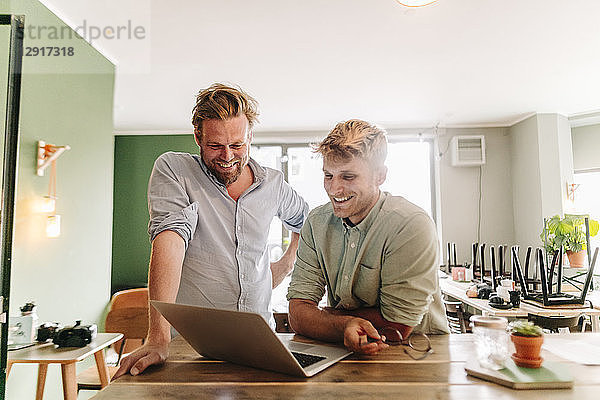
x=41, y=381
x=102, y=368
x=69, y=380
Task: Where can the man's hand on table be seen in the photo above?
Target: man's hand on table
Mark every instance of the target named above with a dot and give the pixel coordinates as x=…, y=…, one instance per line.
x=142, y=358
x=357, y=333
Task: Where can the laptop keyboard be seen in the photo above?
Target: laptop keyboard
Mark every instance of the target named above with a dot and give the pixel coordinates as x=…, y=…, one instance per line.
x=306, y=359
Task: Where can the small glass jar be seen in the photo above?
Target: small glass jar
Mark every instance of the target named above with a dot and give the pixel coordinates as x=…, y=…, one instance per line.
x=491, y=340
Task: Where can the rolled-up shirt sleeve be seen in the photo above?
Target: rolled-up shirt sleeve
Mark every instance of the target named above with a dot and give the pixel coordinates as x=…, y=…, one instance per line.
x=409, y=273
x=168, y=203
x=308, y=281
x=293, y=209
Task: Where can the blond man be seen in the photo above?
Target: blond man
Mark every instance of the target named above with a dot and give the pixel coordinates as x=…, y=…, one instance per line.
x=209, y=221
x=376, y=254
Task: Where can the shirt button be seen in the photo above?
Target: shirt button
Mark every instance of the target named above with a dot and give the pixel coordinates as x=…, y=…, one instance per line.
x=239, y=228
x=352, y=245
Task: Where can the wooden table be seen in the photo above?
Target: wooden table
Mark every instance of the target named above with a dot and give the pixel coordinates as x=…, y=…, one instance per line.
x=458, y=290
x=47, y=353
x=389, y=375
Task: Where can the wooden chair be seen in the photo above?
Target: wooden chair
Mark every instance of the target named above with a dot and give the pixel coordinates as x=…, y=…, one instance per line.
x=576, y=323
x=132, y=322
x=457, y=321
x=129, y=298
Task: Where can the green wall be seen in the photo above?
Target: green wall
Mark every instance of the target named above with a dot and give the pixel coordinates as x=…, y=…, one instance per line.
x=64, y=101
x=134, y=158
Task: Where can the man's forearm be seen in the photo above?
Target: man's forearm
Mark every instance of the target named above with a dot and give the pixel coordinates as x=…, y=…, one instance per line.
x=307, y=319
x=293, y=246
x=281, y=268
x=373, y=315
x=164, y=274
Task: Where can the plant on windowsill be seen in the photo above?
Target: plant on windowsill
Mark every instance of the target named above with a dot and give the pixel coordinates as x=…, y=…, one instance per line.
x=568, y=232
x=527, y=338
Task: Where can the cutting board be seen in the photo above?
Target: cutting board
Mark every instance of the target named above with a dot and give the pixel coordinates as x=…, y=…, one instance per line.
x=551, y=375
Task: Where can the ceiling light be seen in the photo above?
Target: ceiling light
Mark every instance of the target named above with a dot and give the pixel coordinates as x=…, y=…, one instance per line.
x=416, y=3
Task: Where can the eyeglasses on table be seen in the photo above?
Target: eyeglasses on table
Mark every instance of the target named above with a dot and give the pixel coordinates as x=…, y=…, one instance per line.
x=417, y=342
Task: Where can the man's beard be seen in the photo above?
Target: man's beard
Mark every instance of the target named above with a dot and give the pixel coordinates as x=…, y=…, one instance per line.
x=227, y=178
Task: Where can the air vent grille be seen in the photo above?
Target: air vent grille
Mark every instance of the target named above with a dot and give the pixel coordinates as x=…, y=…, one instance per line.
x=468, y=151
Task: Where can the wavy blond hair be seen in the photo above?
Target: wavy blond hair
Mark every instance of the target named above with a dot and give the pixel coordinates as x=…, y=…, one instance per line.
x=220, y=101
x=355, y=138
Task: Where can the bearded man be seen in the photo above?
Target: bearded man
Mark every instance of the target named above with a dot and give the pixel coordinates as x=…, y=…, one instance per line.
x=209, y=221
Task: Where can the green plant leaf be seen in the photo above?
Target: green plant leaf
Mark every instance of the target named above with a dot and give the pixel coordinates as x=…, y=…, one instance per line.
x=568, y=232
x=566, y=225
x=525, y=328
x=552, y=224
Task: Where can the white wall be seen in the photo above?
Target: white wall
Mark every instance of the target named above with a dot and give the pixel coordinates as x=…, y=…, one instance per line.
x=459, y=188
x=542, y=164
x=526, y=186
x=586, y=147
x=565, y=155
x=555, y=162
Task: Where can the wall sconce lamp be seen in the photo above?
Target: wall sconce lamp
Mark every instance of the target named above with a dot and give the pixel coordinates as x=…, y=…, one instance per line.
x=47, y=154
x=53, y=226
x=48, y=204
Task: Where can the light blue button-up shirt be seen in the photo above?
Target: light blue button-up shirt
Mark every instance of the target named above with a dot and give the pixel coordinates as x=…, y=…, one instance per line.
x=226, y=263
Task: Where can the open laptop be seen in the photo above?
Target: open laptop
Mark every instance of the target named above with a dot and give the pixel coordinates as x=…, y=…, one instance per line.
x=246, y=338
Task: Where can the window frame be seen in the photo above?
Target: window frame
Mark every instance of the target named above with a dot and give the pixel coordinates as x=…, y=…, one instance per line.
x=433, y=167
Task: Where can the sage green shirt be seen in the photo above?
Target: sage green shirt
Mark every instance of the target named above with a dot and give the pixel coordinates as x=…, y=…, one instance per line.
x=389, y=260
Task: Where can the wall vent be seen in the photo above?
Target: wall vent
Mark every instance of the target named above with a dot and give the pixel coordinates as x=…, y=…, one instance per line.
x=468, y=151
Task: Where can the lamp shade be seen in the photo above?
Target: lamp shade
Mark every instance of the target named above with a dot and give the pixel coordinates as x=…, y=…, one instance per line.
x=53, y=226
x=48, y=204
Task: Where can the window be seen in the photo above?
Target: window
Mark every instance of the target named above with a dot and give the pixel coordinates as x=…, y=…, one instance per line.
x=586, y=199
x=410, y=174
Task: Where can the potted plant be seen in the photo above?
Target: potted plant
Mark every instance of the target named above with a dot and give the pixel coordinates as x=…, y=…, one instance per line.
x=527, y=338
x=568, y=232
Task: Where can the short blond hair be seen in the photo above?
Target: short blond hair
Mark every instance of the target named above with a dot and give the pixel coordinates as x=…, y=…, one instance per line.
x=220, y=101
x=355, y=138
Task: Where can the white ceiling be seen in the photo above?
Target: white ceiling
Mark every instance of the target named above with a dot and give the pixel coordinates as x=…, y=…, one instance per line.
x=311, y=63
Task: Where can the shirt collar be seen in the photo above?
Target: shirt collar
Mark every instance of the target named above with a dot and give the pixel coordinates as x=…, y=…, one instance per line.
x=258, y=170
x=366, y=223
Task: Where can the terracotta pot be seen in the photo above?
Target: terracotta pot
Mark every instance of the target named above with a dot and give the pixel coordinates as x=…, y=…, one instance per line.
x=577, y=259
x=527, y=349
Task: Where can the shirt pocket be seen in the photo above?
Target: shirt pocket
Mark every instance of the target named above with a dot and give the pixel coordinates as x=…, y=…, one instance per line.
x=367, y=283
